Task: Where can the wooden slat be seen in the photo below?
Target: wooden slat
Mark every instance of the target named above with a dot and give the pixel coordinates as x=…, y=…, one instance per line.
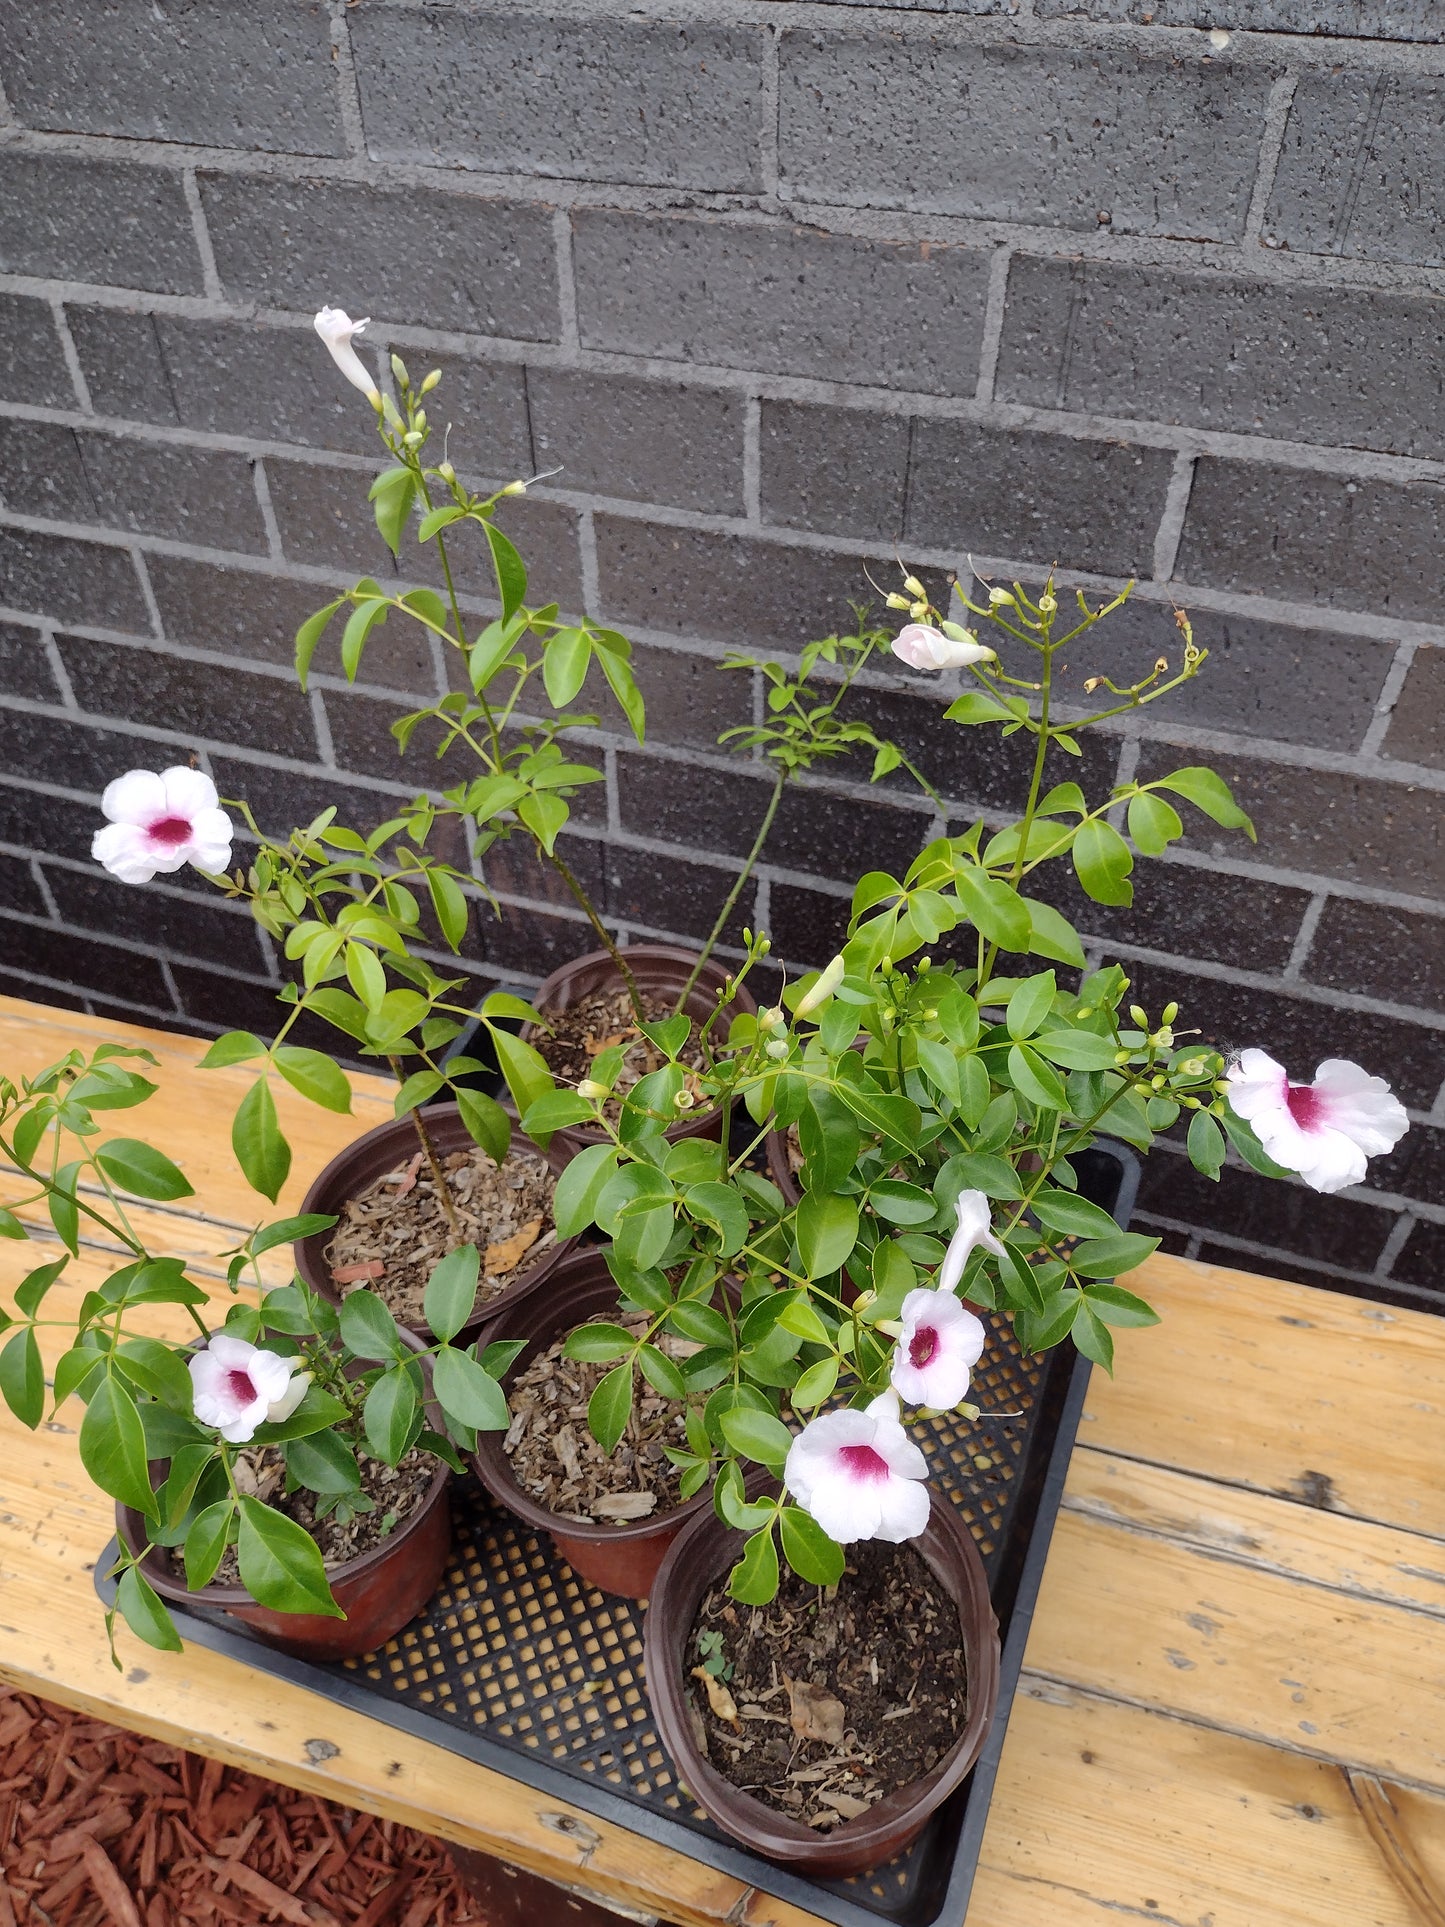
x=1257, y=1529
x=1152, y=1621
x=1105, y=1812
x=1284, y=1388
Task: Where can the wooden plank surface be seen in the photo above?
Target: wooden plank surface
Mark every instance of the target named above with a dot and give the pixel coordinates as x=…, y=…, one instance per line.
x=1233, y=1710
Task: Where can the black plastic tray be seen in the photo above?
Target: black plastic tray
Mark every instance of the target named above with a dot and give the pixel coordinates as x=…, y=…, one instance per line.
x=520, y=1666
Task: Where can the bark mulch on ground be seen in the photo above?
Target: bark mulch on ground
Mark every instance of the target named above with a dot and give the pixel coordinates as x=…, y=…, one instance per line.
x=99, y=1828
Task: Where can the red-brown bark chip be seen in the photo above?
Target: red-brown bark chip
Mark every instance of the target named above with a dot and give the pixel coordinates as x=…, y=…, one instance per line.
x=101, y=1828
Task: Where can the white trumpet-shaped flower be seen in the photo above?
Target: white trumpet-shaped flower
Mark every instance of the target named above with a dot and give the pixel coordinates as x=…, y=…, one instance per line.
x=923, y=647
x=938, y=1347
x=237, y=1386
x=860, y=1475
x=158, y=822
x=338, y=331
x=974, y=1229
x=1326, y=1130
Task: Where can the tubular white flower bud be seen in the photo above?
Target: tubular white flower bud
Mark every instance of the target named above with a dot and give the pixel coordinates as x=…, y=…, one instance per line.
x=338, y=330
x=823, y=989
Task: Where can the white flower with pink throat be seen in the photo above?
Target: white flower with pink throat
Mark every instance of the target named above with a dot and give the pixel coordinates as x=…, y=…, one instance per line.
x=160, y=822
x=1326, y=1130
x=860, y=1475
x=236, y=1386
x=923, y=647
x=941, y=1340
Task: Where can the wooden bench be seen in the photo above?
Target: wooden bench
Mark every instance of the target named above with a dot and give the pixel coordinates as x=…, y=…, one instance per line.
x=1233, y=1706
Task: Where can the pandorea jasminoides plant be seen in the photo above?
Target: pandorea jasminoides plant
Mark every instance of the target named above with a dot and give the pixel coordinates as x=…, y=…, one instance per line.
x=941, y=1080
x=324, y=1389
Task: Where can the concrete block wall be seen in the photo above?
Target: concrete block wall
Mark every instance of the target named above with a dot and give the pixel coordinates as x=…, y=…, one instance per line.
x=1143, y=288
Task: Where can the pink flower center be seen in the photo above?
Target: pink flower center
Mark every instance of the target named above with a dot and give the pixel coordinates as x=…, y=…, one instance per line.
x=864, y=1464
x=922, y=1345
x=172, y=830
x=1306, y=1106
x=240, y=1388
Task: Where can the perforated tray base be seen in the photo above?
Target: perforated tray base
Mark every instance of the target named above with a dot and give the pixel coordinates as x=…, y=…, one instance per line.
x=521, y=1666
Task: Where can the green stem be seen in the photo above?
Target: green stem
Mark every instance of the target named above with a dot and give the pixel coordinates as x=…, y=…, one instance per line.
x=604, y=936
x=748, y=867
x=438, y=1175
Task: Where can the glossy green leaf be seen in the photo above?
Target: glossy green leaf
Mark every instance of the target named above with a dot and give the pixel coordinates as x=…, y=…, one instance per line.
x=307, y=637
x=141, y=1607
x=610, y=1407
x=1077, y=1050
x=510, y=571
x=392, y=495
x=391, y=1413
x=315, y=1075
x=1102, y=862
x=1153, y=823
x=994, y=909
x=808, y=1549
x=815, y=1385
x=468, y=1393
x=830, y=1139
x=1075, y=1216
x=22, y=1378
x=281, y=1565
x=113, y=1446
x=30, y=1292
x=257, y=1139
x=450, y=906
x=487, y=1123
x=359, y=625
x=1210, y=793
x=580, y=1186
x=1035, y=1079
x=564, y=665
x=660, y=1372
x=368, y=1329
x=323, y=1462
x=827, y=1230
x=1119, y=1307
x=451, y=1291
x=1206, y=1145
x=1106, y=1257
x=597, y=1342
x=1030, y=1004
x=757, y=1435
x=206, y=1542
x=141, y=1169
x=754, y=1579
x=1052, y=935
x=1092, y=1336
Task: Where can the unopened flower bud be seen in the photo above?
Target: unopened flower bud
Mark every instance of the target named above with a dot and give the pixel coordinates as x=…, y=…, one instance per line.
x=778, y=1049
x=1136, y=1011
x=1121, y=1057
x=515, y=488
x=591, y=1090
x=421, y=418
x=398, y=368
x=431, y=381
x=914, y=586
x=828, y=981
x=998, y=597
x=1158, y=1082
x=447, y=472
x=765, y=944
x=412, y=438
x=896, y=601
x=1171, y=1011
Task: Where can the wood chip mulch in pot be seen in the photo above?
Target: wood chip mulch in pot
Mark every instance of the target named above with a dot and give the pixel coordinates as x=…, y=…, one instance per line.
x=578, y=1035
x=827, y=1699
x=101, y=1828
x=393, y=1234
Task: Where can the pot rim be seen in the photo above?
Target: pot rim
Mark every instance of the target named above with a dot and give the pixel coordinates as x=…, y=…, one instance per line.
x=583, y=1266
x=664, y=953
x=878, y=1832
x=155, y=1565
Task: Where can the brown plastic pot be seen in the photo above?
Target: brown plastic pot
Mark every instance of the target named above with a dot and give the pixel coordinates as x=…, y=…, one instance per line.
x=355, y=1169
x=699, y=1558
x=659, y=967
x=379, y=1591
x=617, y=1558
